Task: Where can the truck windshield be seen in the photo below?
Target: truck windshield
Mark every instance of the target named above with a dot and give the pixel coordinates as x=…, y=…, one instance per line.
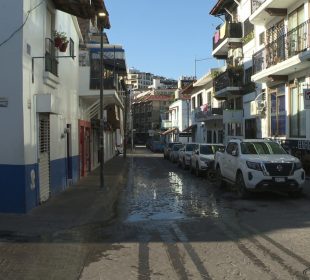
x=206, y=150
x=261, y=148
x=190, y=147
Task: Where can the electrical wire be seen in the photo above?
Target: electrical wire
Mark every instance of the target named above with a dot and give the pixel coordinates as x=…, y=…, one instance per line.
x=21, y=27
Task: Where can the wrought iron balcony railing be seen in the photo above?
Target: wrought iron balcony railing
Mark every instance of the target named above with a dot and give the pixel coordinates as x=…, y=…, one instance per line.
x=204, y=115
x=51, y=62
x=232, y=77
x=228, y=30
x=283, y=48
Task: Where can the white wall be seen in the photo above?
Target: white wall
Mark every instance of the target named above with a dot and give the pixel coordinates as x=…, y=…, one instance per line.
x=65, y=91
x=19, y=120
x=11, y=125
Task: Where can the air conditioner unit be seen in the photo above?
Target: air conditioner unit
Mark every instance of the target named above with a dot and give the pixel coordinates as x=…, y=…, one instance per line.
x=230, y=53
x=253, y=108
x=238, y=53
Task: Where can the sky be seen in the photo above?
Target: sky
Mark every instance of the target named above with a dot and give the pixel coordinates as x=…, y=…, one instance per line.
x=164, y=37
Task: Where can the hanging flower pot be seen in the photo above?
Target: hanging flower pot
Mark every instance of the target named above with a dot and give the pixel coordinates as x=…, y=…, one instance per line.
x=57, y=42
x=60, y=40
x=63, y=47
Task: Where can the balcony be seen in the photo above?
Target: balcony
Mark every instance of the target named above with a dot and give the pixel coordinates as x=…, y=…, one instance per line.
x=287, y=54
x=51, y=62
x=83, y=9
x=229, y=82
x=166, y=124
x=229, y=35
x=211, y=114
x=263, y=11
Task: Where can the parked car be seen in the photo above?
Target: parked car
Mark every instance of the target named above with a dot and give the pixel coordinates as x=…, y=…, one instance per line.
x=202, y=159
x=157, y=146
x=259, y=165
x=174, y=153
x=167, y=149
x=185, y=154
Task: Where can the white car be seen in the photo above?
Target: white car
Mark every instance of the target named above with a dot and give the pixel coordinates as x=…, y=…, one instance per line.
x=185, y=154
x=174, y=153
x=259, y=165
x=202, y=158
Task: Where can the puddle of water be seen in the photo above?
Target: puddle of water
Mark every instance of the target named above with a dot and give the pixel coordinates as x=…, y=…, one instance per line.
x=137, y=217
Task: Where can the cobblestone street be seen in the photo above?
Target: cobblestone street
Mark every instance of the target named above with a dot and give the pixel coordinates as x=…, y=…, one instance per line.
x=157, y=221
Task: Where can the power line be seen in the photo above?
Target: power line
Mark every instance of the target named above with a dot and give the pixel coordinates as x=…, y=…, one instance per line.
x=21, y=27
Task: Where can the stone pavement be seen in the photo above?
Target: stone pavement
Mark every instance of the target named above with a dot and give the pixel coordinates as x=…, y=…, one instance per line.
x=80, y=204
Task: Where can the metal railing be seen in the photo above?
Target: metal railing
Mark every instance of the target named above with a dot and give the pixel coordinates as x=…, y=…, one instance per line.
x=230, y=78
x=51, y=62
x=255, y=4
x=283, y=48
x=204, y=115
x=232, y=30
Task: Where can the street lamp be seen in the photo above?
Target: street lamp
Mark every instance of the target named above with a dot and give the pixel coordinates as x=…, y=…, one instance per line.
x=187, y=102
x=101, y=19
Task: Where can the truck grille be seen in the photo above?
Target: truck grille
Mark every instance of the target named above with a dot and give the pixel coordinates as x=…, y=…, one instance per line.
x=279, y=169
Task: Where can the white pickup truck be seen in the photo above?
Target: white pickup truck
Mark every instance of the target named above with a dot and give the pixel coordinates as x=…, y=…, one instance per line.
x=259, y=165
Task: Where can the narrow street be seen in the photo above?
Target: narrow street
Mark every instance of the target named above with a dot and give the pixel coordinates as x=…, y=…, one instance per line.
x=172, y=225
x=169, y=224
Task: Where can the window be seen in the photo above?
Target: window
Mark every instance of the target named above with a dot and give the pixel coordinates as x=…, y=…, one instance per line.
x=209, y=97
x=277, y=111
x=231, y=147
x=297, y=35
x=199, y=100
x=247, y=75
x=193, y=103
x=234, y=129
x=297, y=110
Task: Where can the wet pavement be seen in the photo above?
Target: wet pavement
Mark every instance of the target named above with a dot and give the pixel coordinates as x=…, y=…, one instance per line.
x=169, y=224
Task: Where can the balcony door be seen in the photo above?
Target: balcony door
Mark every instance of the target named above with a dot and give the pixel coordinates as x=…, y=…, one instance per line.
x=275, y=44
x=297, y=32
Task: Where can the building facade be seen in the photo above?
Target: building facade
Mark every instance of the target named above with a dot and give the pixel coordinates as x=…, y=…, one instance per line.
x=266, y=48
x=45, y=118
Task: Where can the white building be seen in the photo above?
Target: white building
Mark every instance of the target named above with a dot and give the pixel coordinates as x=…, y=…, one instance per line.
x=268, y=40
x=207, y=111
x=139, y=80
x=178, y=119
x=281, y=65
x=40, y=113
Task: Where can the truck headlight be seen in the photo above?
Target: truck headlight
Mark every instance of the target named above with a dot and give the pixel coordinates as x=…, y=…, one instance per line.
x=203, y=160
x=254, y=165
x=297, y=165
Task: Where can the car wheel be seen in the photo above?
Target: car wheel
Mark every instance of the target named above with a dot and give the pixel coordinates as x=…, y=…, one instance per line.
x=295, y=194
x=197, y=171
x=211, y=175
x=219, y=178
x=241, y=188
x=183, y=164
x=191, y=168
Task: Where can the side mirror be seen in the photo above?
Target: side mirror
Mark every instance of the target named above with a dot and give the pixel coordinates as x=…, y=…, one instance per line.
x=234, y=153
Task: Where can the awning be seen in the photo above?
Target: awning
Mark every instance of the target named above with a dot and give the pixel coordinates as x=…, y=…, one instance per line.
x=169, y=131
x=190, y=128
x=83, y=9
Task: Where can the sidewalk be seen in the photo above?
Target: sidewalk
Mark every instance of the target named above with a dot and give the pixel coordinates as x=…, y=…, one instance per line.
x=83, y=203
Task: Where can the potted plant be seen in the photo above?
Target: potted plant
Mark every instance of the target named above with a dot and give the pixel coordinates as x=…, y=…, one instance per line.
x=63, y=46
x=60, y=40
